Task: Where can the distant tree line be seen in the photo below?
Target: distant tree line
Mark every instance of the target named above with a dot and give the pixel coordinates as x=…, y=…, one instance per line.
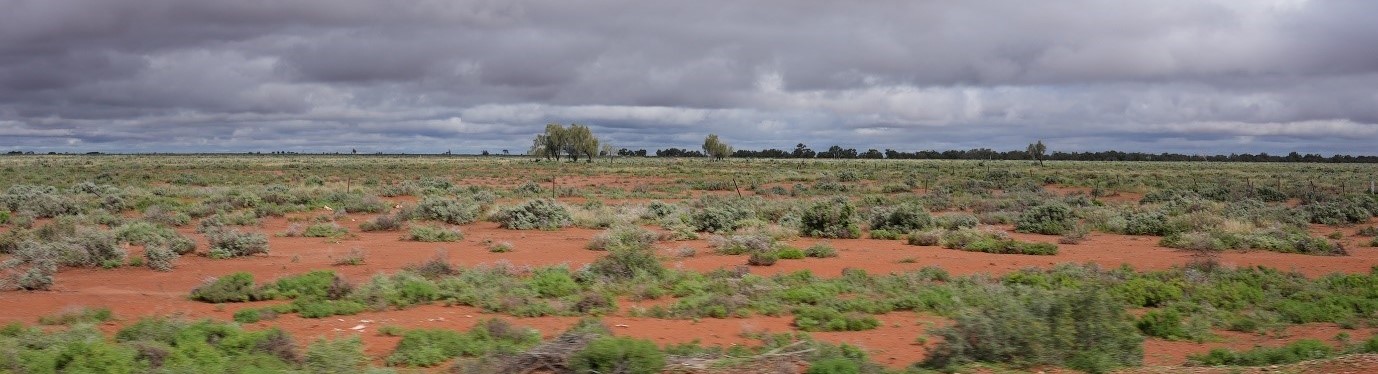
x=802, y=151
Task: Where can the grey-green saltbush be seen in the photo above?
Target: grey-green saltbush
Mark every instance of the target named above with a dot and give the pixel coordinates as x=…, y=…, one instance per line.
x=834, y=218
x=542, y=214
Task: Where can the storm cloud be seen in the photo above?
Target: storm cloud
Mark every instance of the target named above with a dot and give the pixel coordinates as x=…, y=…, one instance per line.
x=1188, y=76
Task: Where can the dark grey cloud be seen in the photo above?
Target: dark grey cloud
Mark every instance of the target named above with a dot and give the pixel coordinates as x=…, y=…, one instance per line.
x=428, y=76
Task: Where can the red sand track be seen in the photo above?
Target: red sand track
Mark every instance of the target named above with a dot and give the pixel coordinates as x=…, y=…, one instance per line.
x=133, y=292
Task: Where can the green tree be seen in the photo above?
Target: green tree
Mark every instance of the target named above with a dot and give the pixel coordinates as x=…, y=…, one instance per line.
x=716, y=148
x=579, y=141
x=1037, y=150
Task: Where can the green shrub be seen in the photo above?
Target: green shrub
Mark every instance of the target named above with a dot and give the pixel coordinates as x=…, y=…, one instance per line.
x=741, y=244
x=383, y=222
x=838, y=365
x=451, y=211
x=1053, y=219
x=1301, y=350
x=80, y=315
x=542, y=214
x=232, y=243
x=232, y=288
x=4, y=217
x=311, y=307
x=159, y=257
x=901, y=218
x=718, y=218
x=926, y=238
x=553, y=282
x=619, y=355
x=426, y=348
x=1166, y=324
x=956, y=221
x=789, y=254
x=820, y=250
x=762, y=258
x=251, y=315
x=625, y=236
x=885, y=235
x=337, y=356
x=1085, y=329
x=835, y=218
x=817, y=318
x=325, y=230
x=433, y=234
x=627, y=263
x=42, y=201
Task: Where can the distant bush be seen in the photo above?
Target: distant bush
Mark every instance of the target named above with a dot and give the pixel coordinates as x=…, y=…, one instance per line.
x=1149, y=223
x=1084, y=330
x=956, y=221
x=619, y=355
x=835, y=218
x=451, y=211
x=622, y=237
x=227, y=243
x=542, y=214
x=1054, y=219
x=432, y=234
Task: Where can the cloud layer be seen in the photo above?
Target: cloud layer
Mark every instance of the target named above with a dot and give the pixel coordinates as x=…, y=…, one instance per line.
x=1188, y=76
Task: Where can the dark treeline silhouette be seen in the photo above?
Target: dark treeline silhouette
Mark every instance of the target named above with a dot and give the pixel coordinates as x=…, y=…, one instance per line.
x=802, y=151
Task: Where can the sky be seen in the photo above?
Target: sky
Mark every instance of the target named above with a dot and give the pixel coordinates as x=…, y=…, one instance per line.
x=429, y=76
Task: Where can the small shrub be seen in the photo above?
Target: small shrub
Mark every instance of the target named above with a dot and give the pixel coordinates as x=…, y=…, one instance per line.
x=325, y=230
x=901, y=218
x=926, y=238
x=812, y=318
x=232, y=288
x=836, y=365
x=885, y=235
x=619, y=355
x=542, y=214
x=626, y=236
x=820, y=250
x=385, y=222
x=426, y=348
x=762, y=258
x=1166, y=324
x=741, y=244
x=627, y=263
x=159, y=257
x=451, y=211
x=1054, y=219
x=335, y=356
x=1301, y=350
x=75, y=316
x=789, y=253
x=433, y=234
x=499, y=247
x=835, y=218
x=718, y=218
x=957, y=221
x=233, y=243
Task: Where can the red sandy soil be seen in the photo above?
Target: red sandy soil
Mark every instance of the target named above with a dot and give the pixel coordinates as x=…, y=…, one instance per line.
x=133, y=292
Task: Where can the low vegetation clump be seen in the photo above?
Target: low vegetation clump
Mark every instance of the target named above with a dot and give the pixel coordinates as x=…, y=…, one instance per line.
x=433, y=234
x=1052, y=219
x=232, y=288
x=448, y=210
x=427, y=348
x=1085, y=330
x=625, y=236
x=820, y=250
x=1301, y=350
x=325, y=230
x=982, y=241
x=228, y=243
x=900, y=218
x=541, y=214
x=610, y=354
x=79, y=315
x=811, y=318
x=383, y=222
x=835, y=218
